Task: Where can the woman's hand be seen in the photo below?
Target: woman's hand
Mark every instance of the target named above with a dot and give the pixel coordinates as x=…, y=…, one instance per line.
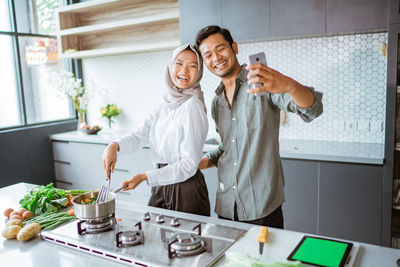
x=110, y=158
x=133, y=182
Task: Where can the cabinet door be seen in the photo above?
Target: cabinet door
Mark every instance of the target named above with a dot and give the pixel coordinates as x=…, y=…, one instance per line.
x=195, y=15
x=394, y=12
x=351, y=201
x=246, y=20
x=301, y=193
x=355, y=15
x=296, y=18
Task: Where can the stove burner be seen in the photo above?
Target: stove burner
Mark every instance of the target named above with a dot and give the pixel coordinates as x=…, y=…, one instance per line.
x=130, y=238
x=186, y=244
x=95, y=226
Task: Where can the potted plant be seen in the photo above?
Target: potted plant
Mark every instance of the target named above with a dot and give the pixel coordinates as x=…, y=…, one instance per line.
x=109, y=111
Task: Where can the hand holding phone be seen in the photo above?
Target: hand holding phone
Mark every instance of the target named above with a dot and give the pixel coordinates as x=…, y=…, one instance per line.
x=254, y=59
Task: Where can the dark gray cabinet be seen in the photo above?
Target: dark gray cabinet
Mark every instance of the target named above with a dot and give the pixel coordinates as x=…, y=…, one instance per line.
x=350, y=201
x=296, y=18
x=195, y=15
x=356, y=15
x=246, y=20
x=341, y=200
x=394, y=11
x=263, y=19
x=300, y=210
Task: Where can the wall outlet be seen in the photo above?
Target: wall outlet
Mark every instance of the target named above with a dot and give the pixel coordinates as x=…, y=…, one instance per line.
x=350, y=125
x=363, y=126
x=375, y=126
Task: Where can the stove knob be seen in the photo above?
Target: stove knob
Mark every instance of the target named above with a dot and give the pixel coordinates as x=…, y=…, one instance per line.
x=160, y=219
x=146, y=216
x=175, y=222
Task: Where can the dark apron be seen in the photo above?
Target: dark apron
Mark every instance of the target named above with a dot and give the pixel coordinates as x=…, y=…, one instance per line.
x=189, y=196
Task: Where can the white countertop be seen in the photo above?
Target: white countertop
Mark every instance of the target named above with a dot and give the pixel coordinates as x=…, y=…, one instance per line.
x=39, y=253
x=368, y=153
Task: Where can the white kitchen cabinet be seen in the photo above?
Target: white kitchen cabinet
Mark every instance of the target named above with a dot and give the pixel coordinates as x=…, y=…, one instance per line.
x=79, y=165
x=111, y=27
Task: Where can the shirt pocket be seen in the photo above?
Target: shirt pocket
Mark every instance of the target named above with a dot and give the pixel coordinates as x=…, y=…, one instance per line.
x=252, y=111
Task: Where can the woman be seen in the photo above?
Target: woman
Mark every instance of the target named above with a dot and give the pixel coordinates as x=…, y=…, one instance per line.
x=176, y=132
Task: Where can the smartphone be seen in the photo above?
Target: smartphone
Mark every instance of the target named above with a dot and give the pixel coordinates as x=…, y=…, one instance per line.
x=258, y=58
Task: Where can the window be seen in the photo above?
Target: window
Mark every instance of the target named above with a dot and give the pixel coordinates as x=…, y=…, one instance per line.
x=28, y=49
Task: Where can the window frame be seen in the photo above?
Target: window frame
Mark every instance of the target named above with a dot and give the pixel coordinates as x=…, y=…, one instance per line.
x=73, y=65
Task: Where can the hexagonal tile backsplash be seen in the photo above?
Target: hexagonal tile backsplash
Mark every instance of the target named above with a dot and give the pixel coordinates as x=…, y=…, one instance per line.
x=350, y=70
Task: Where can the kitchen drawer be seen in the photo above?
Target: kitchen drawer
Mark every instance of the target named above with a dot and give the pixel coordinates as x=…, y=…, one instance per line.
x=91, y=174
x=138, y=162
x=74, y=152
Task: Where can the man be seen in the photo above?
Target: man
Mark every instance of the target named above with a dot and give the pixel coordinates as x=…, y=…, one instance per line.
x=249, y=166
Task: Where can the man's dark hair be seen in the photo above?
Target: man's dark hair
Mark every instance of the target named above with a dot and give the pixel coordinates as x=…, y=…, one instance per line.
x=212, y=29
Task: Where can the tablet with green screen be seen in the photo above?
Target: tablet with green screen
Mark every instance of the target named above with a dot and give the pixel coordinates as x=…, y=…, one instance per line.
x=321, y=252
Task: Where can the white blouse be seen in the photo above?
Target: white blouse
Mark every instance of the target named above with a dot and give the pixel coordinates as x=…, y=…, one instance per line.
x=176, y=136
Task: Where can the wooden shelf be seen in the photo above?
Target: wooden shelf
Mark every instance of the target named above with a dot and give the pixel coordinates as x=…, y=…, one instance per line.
x=111, y=27
x=120, y=50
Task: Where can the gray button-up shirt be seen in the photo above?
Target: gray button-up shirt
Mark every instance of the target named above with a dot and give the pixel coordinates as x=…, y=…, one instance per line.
x=249, y=165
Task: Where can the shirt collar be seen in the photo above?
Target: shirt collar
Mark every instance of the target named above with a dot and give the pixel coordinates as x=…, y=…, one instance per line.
x=241, y=77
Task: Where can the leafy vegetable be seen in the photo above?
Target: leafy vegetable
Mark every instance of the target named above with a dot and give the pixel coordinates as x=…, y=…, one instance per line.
x=43, y=199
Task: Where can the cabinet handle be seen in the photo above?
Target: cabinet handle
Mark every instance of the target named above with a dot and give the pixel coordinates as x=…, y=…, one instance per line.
x=120, y=170
x=60, y=141
x=65, y=182
x=62, y=162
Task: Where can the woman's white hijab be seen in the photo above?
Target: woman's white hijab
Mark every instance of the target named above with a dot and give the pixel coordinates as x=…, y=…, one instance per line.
x=175, y=96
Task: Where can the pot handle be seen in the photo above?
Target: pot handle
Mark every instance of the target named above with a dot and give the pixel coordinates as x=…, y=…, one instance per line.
x=119, y=188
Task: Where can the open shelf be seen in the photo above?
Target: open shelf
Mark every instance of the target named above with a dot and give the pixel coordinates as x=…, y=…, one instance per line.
x=112, y=27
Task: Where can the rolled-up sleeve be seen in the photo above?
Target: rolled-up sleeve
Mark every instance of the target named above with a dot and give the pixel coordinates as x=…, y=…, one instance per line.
x=215, y=154
x=286, y=103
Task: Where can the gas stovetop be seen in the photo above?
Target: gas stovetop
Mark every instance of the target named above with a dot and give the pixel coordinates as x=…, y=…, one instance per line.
x=147, y=239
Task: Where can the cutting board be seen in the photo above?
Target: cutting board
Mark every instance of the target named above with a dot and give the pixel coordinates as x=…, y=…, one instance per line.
x=279, y=244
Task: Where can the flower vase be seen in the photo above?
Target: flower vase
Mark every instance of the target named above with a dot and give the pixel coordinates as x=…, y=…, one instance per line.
x=110, y=121
x=81, y=121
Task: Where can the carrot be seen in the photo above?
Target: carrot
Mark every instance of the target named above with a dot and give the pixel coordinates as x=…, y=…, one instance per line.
x=119, y=219
x=71, y=211
x=87, y=200
x=70, y=200
x=82, y=201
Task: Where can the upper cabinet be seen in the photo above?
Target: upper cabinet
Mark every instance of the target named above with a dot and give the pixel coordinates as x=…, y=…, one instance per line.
x=394, y=11
x=296, y=18
x=246, y=20
x=195, y=15
x=110, y=27
x=262, y=19
x=356, y=15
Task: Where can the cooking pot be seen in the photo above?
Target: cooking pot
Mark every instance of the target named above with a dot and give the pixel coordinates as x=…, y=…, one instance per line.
x=94, y=211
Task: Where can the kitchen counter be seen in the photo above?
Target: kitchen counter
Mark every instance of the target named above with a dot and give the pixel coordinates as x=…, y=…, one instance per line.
x=37, y=252
x=366, y=153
